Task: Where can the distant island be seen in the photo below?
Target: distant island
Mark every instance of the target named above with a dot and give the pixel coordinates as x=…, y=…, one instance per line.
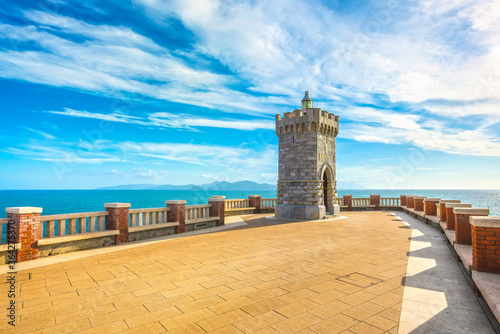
x=218, y=185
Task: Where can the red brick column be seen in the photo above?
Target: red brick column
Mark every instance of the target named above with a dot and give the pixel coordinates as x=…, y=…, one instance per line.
x=486, y=244
x=375, y=200
x=442, y=208
x=27, y=231
x=117, y=219
x=177, y=213
x=410, y=203
x=450, y=216
x=403, y=200
x=348, y=202
x=463, y=233
x=418, y=203
x=255, y=202
x=218, y=207
x=430, y=208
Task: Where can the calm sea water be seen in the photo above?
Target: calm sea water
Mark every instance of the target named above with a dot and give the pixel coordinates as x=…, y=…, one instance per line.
x=71, y=201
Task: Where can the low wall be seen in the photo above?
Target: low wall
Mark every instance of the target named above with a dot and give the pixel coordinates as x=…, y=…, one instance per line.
x=74, y=245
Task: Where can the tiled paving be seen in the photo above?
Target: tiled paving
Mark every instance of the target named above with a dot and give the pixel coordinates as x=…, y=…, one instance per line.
x=332, y=276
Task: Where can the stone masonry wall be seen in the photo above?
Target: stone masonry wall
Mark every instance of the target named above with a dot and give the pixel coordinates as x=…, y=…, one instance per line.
x=306, y=144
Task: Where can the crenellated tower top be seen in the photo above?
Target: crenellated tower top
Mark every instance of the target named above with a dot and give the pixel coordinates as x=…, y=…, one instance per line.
x=309, y=119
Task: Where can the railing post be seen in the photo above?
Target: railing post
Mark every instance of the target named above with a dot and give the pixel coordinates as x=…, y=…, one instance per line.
x=218, y=208
x=410, y=202
x=117, y=219
x=177, y=213
x=430, y=208
x=450, y=216
x=255, y=202
x=403, y=200
x=27, y=231
x=418, y=203
x=375, y=200
x=485, y=244
x=442, y=208
x=463, y=232
x=348, y=202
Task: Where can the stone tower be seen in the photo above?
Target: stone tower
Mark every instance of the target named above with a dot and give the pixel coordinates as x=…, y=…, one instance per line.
x=307, y=180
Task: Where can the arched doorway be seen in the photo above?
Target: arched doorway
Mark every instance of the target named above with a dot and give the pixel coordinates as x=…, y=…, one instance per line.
x=325, y=189
x=327, y=178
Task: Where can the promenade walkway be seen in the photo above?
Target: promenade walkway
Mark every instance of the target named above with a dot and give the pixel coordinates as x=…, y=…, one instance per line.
x=268, y=276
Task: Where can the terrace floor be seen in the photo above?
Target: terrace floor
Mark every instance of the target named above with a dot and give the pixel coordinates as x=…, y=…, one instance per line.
x=350, y=275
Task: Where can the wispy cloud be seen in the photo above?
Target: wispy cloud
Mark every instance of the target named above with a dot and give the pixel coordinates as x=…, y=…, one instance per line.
x=169, y=120
x=103, y=151
x=41, y=133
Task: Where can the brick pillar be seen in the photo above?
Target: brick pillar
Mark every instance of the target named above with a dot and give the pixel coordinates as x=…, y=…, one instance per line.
x=177, y=213
x=117, y=219
x=255, y=202
x=463, y=233
x=442, y=208
x=486, y=244
x=418, y=203
x=430, y=208
x=450, y=216
x=218, y=207
x=375, y=200
x=27, y=231
x=403, y=200
x=348, y=202
x=410, y=203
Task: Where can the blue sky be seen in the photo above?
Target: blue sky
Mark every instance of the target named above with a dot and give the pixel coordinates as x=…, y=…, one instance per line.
x=174, y=92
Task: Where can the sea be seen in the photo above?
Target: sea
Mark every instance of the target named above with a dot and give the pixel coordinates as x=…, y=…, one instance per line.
x=73, y=201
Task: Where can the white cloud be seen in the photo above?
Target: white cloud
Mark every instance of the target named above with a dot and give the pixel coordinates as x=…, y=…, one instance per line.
x=168, y=120
x=208, y=176
x=41, y=133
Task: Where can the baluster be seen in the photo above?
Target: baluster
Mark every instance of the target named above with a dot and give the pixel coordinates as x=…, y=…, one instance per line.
x=51, y=227
x=92, y=222
x=61, y=226
x=40, y=232
x=100, y=223
x=1, y=232
x=71, y=226
x=132, y=219
x=82, y=225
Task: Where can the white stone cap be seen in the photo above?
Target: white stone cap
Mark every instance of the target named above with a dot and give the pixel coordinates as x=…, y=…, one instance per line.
x=253, y=196
x=217, y=199
x=173, y=201
x=449, y=201
x=482, y=221
x=432, y=200
x=419, y=197
x=458, y=205
x=471, y=211
x=117, y=205
x=23, y=210
x=371, y=195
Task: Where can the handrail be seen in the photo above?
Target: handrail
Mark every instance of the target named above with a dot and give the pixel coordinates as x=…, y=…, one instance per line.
x=237, y=203
x=268, y=202
x=390, y=201
x=149, y=210
x=197, y=211
x=147, y=216
x=71, y=223
x=361, y=201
